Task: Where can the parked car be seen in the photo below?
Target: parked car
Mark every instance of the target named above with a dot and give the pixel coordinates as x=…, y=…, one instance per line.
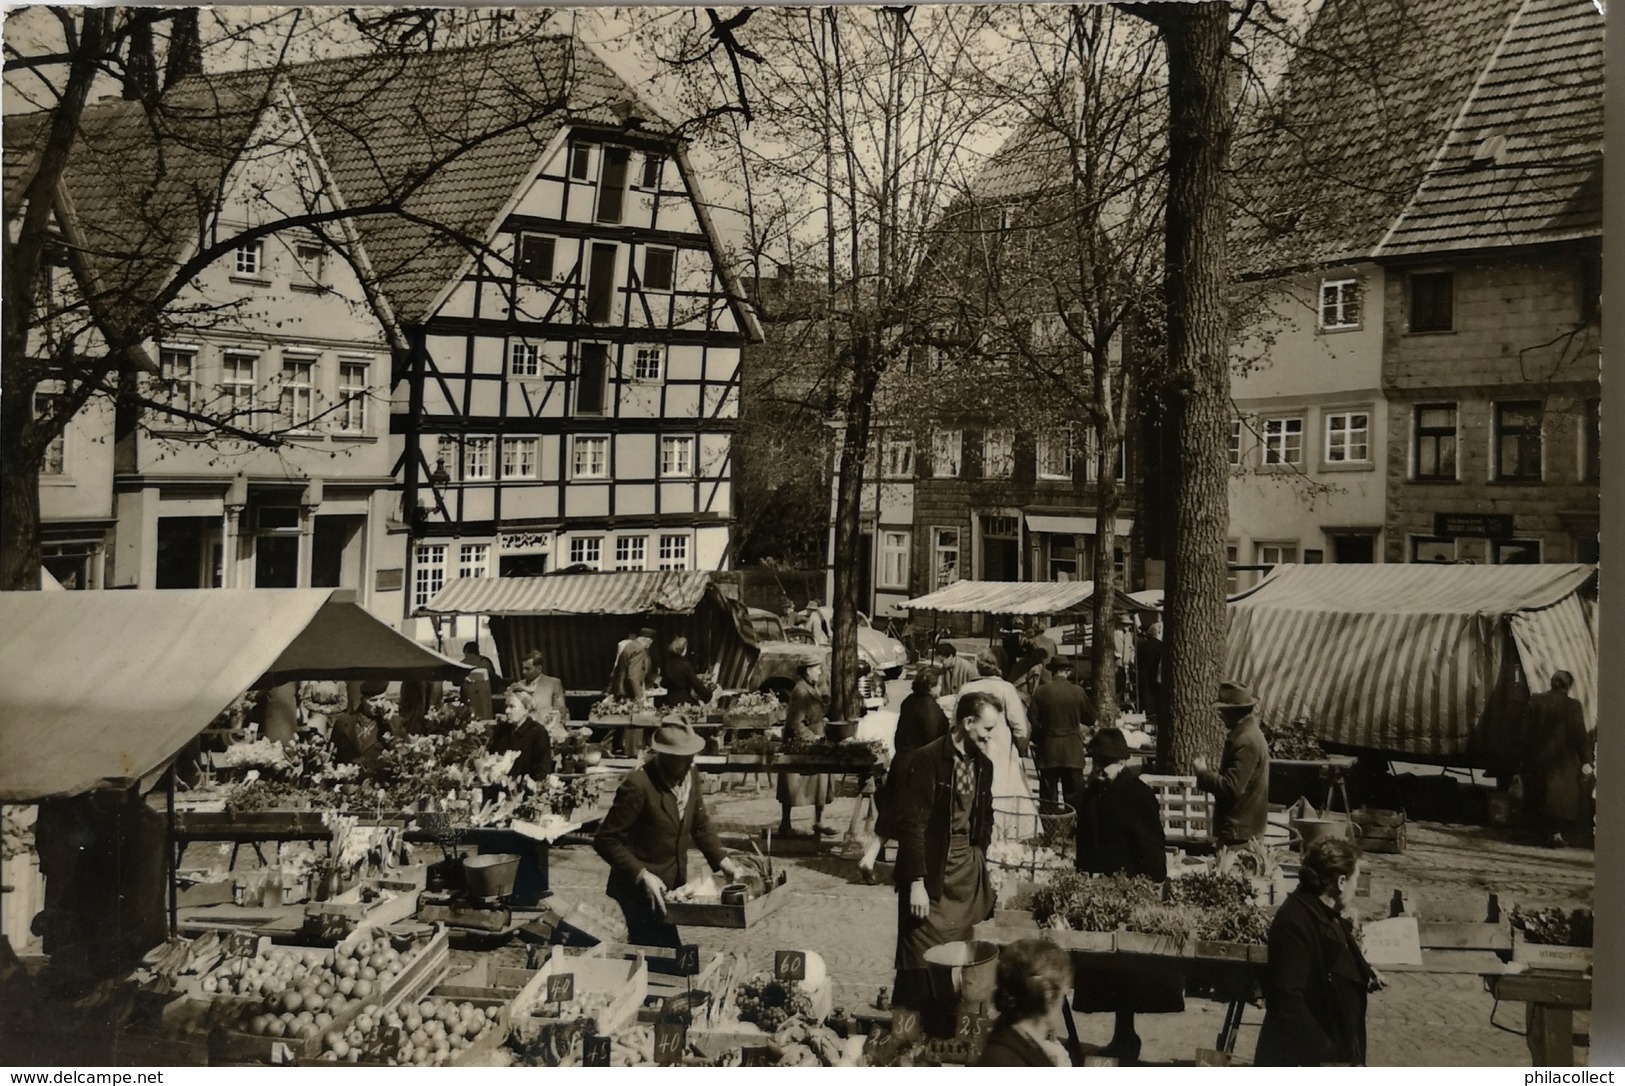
x=887, y=654
x=782, y=649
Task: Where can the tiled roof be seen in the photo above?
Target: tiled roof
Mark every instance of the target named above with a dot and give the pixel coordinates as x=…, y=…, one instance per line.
x=1523, y=163
x=142, y=186
x=1034, y=161
x=456, y=131
x=1362, y=110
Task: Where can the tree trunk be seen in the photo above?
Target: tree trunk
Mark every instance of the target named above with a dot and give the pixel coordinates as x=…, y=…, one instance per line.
x=19, y=521
x=1103, y=653
x=845, y=702
x=1197, y=40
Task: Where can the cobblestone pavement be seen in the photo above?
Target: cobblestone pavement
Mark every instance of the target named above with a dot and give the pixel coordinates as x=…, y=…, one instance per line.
x=1420, y=1019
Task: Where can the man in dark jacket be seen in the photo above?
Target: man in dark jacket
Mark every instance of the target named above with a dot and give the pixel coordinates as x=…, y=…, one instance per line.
x=658, y=815
x=1555, y=766
x=945, y=823
x=1241, y=787
x=1059, y=715
x=1148, y=654
x=1120, y=832
x=633, y=667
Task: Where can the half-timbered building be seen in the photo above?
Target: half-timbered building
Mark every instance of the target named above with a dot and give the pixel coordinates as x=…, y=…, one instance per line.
x=568, y=393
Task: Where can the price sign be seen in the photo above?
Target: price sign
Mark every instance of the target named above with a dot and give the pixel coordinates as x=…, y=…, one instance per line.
x=972, y=1030
x=671, y=1040
x=561, y=987
x=757, y=1056
x=789, y=965
x=688, y=959
x=883, y=1050
x=242, y=944
x=594, y=1051
x=905, y=1025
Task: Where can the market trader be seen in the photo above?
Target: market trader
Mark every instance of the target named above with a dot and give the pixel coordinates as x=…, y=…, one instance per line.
x=1241, y=787
x=657, y=816
x=1060, y=716
x=944, y=826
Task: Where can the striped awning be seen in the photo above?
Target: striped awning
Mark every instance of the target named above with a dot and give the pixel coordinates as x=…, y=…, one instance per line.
x=1006, y=597
x=1406, y=658
x=625, y=593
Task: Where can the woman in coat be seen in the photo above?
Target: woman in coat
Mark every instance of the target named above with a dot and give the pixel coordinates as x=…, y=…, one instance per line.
x=683, y=683
x=803, y=721
x=1316, y=982
x=1033, y=976
x=919, y=721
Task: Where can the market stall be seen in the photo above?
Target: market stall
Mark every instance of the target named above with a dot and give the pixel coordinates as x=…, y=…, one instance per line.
x=1432, y=663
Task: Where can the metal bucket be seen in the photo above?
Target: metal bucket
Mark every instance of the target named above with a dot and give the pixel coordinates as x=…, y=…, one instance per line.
x=1310, y=830
x=963, y=974
x=491, y=875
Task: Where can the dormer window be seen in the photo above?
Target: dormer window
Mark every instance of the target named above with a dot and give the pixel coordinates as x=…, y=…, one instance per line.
x=1339, y=303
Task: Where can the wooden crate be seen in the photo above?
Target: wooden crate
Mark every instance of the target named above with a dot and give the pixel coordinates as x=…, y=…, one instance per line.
x=1540, y=956
x=1381, y=831
x=625, y=981
x=1187, y=811
x=424, y=970
x=350, y=908
x=718, y=915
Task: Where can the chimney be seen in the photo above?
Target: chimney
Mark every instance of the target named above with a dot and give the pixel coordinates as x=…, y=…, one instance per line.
x=185, y=48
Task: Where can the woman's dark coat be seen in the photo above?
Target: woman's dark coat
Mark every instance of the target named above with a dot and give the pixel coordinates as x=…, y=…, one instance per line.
x=1120, y=828
x=683, y=683
x=1555, y=746
x=1314, y=988
x=1007, y=1046
x=920, y=720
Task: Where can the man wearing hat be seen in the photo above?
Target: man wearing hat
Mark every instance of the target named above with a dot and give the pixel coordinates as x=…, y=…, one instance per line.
x=1555, y=763
x=1058, y=716
x=657, y=816
x=1241, y=787
x=1120, y=832
x=357, y=733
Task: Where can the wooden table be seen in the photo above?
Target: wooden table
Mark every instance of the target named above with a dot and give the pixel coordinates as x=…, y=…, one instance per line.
x=1550, y=998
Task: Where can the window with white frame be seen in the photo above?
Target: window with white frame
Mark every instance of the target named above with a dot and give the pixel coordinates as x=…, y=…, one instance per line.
x=1340, y=303
x=56, y=453
x=589, y=457
x=477, y=458
x=1055, y=455
x=237, y=384
x=311, y=256
x=673, y=552
x=298, y=402
x=647, y=363
x=894, y=559
x=249, y=258
x=631, y=552
x=448, y=455
x=587, y=550
x=519, y=457
x=580, y=161
x=177, y=368
x=898, y=460
x=524, y=359
x=947, y=448
x=1277, y=554
x=353, y=390
x=1283, y=441
x=1348, y=437
x=474, y=560
x=944, y=556
x=1235, y=443
x=428, y=572
x=676, y=456
x=998, y=454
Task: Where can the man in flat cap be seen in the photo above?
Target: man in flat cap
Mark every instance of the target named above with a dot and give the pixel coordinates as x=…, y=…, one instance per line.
x=1241, y=787
x=657, y=816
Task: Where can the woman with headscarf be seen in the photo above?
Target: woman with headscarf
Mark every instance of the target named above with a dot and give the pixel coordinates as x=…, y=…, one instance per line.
x=684, y=686
x=804, y=721
x=1015, y=808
